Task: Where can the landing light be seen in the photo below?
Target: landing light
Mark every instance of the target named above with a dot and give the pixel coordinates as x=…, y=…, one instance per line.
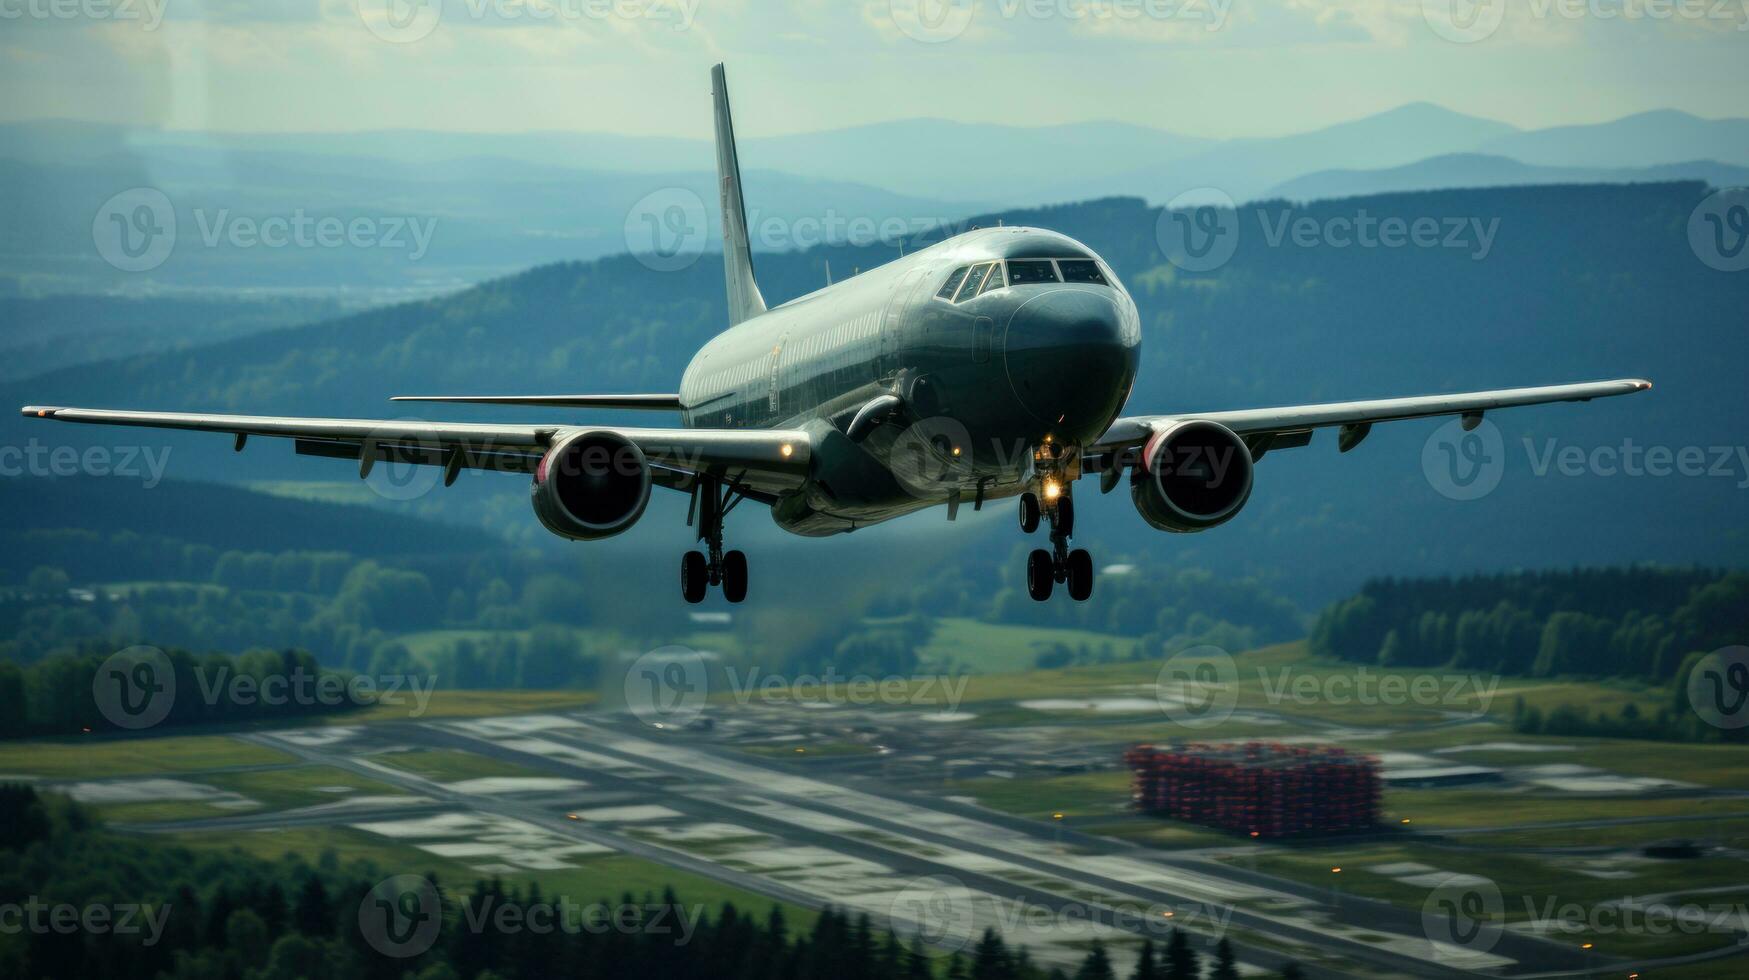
x=1053, y=490
x=787, y=450
x=956, y=450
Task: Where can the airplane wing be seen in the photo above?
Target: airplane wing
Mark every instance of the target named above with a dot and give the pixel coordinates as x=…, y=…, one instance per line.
x=760, y=462
x=652, y=403
x=1288, y=427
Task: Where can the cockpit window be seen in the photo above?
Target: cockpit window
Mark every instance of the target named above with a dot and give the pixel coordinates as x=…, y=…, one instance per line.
x=1081, y=270
x=1024, y=271
x=995, y=280
x=973, y=281
x=953, y=283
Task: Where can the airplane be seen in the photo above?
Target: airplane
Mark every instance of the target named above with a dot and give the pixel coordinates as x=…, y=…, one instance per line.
x=993, y=364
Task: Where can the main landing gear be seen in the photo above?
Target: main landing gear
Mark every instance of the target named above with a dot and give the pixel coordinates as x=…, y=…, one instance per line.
x=1044, y=569
x=711, y=502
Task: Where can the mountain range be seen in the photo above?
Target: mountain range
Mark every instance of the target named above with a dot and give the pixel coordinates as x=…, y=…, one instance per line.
x=496, y=203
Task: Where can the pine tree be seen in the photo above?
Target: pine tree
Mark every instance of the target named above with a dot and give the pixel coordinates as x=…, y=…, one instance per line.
x=1181, y=961
x=1097, y=965
x=1146, y=966
x=1225, y=967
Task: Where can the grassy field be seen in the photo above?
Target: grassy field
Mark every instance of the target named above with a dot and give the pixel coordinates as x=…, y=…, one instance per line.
x=97, y=756
x=1530, y=885
x=969, y=646
x=471, y=704
x=279, y=789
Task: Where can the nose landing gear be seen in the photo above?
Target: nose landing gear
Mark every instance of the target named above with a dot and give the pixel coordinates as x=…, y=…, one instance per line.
x=1044, y=569
x=699, y=571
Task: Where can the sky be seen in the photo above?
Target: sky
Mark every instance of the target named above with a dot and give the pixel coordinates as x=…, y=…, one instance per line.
x=1213, y=68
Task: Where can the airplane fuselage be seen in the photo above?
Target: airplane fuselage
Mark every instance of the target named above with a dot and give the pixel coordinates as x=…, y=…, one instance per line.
x=972, y=383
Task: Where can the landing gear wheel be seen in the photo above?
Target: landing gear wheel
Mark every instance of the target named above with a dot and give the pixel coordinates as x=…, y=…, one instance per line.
x=1065, y=516
x=1080, y=575
x=694, y=576
x=735, y=575
x=1040, y=575
x=1028, y=513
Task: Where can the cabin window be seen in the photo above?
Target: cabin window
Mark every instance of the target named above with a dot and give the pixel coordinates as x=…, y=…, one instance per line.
x=1081, y=270
x=994, y=280
x=953, y=283
x=974, y=279
x=1022, y=272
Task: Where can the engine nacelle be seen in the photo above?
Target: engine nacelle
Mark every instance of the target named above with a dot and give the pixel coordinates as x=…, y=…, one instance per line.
x=1191, y=476
x=593, y=484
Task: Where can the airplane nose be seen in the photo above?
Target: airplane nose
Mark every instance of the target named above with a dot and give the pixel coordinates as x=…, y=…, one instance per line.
x=1070, y=360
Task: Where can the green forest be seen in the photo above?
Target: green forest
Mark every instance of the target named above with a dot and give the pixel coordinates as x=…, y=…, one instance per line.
x=1643, y=625
x=170, y=912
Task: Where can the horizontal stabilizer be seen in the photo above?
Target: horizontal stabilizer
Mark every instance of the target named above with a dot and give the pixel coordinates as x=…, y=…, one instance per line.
x=653, y=403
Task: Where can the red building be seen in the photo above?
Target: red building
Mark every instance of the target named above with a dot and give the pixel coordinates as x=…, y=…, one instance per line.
x=1262, y=789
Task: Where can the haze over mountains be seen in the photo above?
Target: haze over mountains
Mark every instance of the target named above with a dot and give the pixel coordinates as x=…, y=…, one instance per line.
x=497, y=203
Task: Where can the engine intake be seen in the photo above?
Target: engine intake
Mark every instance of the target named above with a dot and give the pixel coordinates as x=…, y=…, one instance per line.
x=594, y=484
x=1192, y=476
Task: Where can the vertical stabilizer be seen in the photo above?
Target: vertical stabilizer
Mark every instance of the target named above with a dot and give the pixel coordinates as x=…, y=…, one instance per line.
x=744, y=299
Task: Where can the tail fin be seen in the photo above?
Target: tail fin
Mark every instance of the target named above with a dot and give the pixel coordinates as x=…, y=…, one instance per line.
x=745, y=302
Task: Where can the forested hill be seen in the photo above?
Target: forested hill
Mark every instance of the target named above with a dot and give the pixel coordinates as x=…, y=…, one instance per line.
x=1569, y=283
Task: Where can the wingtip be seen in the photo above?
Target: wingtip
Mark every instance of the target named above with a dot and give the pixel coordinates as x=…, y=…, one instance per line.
x=1641, y=384
x=38, y=411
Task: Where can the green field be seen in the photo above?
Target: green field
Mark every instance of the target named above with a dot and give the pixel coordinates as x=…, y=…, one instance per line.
x=96, y=756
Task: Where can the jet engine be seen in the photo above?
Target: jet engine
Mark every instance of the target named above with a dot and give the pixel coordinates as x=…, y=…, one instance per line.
x=593, y=484
x=1191, y=476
